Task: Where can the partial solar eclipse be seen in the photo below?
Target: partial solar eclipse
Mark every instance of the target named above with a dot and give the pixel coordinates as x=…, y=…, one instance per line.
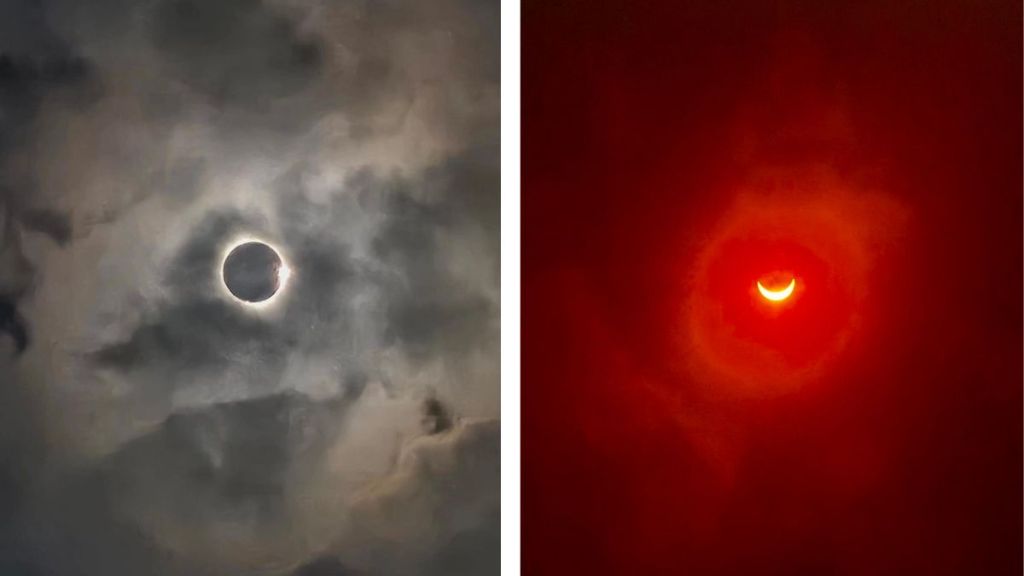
x=254, y=272
x=777, y=295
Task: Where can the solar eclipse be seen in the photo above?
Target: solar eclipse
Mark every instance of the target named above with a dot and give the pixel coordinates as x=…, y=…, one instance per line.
x=779, y=294
x=754, y=328
x=254, y=272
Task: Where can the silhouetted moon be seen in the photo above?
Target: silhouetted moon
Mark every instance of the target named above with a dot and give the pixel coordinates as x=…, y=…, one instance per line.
x=254, y=272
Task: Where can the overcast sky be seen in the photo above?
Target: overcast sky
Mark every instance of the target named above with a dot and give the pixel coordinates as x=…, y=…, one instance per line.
x=151, y=424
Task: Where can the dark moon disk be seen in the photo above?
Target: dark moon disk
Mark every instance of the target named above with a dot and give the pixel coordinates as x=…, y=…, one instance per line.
x=252, y=272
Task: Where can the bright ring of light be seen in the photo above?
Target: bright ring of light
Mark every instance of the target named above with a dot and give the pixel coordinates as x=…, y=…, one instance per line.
x=777, y=295
x=285, y=272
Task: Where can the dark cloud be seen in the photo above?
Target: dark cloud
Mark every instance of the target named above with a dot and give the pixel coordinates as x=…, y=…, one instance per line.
x=436, y=417
x=229, y=462
x=430, y=309
x=25, y=78
x=34, y=63
x=154, y=425
x=12, y=324
x=188, y=336
x=18, y=271
x=195, y=329
x=238, y=52
x=56, y=225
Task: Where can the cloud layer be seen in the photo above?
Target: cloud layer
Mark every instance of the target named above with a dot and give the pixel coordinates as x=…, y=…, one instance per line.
x=154, y=425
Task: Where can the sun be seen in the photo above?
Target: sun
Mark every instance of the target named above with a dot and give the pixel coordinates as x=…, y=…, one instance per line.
x=777, y=295
x=254, y=273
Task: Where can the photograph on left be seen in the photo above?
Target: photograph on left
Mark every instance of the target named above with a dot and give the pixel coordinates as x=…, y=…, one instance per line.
x=249, y=288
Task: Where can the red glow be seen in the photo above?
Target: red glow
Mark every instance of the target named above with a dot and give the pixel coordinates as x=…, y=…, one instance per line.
x=674, y=421
x=740, y=341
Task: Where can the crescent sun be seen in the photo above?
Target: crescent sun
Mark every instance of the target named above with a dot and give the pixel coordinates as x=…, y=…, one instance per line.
x=777, y=295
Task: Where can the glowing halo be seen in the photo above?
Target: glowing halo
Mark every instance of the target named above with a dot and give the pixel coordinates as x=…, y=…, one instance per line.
x=284, y=272
x=737, y=341
x=777, y=295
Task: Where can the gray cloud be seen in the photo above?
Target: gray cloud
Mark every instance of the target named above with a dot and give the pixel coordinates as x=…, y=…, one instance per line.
x=436, y=476
x=324, y=567
x=153, y=425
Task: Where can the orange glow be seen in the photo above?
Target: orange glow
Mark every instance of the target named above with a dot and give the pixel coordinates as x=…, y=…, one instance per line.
x=777, y=295
x=749, y=339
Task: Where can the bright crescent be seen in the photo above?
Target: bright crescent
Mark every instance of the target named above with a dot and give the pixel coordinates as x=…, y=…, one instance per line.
x=777, y=295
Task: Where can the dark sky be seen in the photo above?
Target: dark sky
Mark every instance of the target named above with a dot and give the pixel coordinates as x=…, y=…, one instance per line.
x=150, y=423
x=885, y=137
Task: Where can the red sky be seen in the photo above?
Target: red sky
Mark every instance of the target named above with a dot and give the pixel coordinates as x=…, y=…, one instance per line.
x=673, y=151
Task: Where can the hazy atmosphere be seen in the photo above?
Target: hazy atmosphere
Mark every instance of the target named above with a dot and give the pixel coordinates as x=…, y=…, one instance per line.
x=153, y=424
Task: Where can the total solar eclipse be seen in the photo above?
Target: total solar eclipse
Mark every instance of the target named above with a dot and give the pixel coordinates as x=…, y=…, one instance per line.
x=254, y=272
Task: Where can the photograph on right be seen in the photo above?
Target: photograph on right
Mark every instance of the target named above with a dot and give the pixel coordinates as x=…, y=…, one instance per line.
x=771, y=306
